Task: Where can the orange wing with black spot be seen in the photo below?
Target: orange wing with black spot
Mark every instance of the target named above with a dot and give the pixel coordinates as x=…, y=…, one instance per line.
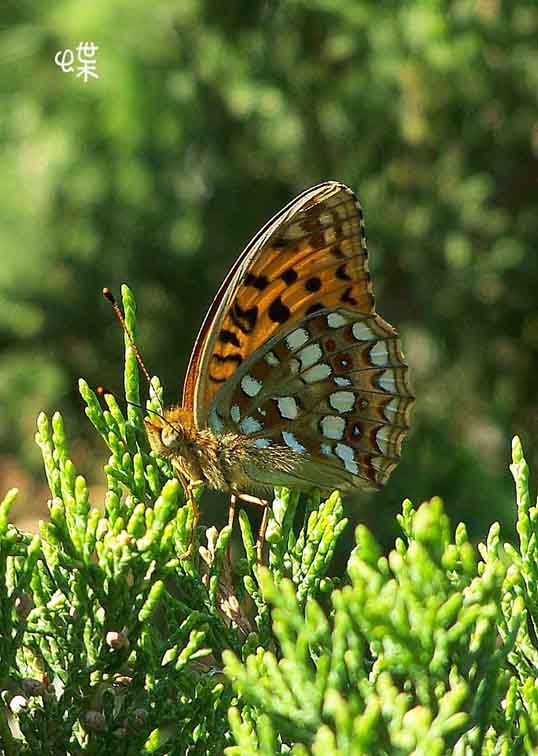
x=311, y=256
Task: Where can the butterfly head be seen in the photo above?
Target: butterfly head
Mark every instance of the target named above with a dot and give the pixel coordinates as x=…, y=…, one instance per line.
x=170, y=432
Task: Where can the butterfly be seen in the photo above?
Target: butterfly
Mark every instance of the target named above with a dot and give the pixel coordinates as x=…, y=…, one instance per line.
x=294, y=379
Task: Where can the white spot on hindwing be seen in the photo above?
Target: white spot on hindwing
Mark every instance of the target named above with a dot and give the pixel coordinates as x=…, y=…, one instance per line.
x=335, y=320
x=297, y=338
x=310, y=355
x=317, y=373
x=250, y=425
x=387, y=381
x=333, y=427
x=362, y=333
x=235, y=414
x=392, y=408
x=340, y=381
x=344, y=452
x=342, y=401
x=251, y=386
x=379, y=353
x=326, y=449
x=215, y=423
x=347, y=455
x=383, y=437
x=263, y=443
x=271, y=359
x=292, y=442
x=287, y=406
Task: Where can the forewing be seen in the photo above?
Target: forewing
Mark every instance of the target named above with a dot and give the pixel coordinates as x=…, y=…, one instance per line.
x=311, y=256
x=333, y=388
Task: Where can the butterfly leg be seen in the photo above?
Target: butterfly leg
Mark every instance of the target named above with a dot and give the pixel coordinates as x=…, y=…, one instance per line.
x=231, y=510
x=231, y=520
x=261, y=532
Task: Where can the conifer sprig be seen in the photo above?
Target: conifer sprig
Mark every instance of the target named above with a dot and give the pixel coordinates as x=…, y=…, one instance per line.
x=115, y=637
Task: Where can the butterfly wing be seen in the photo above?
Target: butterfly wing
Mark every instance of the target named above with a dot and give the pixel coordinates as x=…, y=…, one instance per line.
x=311, y=256
x=333, y=389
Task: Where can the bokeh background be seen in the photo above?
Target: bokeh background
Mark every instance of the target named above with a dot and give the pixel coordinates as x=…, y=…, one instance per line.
x=206, y=119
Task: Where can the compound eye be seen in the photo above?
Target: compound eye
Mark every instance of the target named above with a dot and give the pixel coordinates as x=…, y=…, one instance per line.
x=169, y=437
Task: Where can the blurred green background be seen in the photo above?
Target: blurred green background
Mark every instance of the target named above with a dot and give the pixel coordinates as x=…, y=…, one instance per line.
x=206, y=119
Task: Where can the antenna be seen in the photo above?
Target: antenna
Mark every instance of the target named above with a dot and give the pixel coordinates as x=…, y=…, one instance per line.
x=102, y=390
x=118, y=313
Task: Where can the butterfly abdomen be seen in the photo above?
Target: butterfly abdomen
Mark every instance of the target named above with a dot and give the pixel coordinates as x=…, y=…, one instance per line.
x=237, y=463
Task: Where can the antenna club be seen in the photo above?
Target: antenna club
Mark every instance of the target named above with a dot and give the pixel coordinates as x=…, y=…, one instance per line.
x=108, y=295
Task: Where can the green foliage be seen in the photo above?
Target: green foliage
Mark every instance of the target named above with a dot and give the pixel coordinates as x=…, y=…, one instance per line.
x=431, y=650
x=116, y=637
x=112, y=628
x=205, y=121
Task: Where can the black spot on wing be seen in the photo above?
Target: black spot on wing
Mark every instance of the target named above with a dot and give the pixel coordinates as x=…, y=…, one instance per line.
x=229, y=337
x=235, y=357
x=314, y=308
x=347, y=298
x=336, y=250
x=278, y=311
x=313, y=284
x=341, y=273
x=289, y=276
x=245, y=320
x=258, y=282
